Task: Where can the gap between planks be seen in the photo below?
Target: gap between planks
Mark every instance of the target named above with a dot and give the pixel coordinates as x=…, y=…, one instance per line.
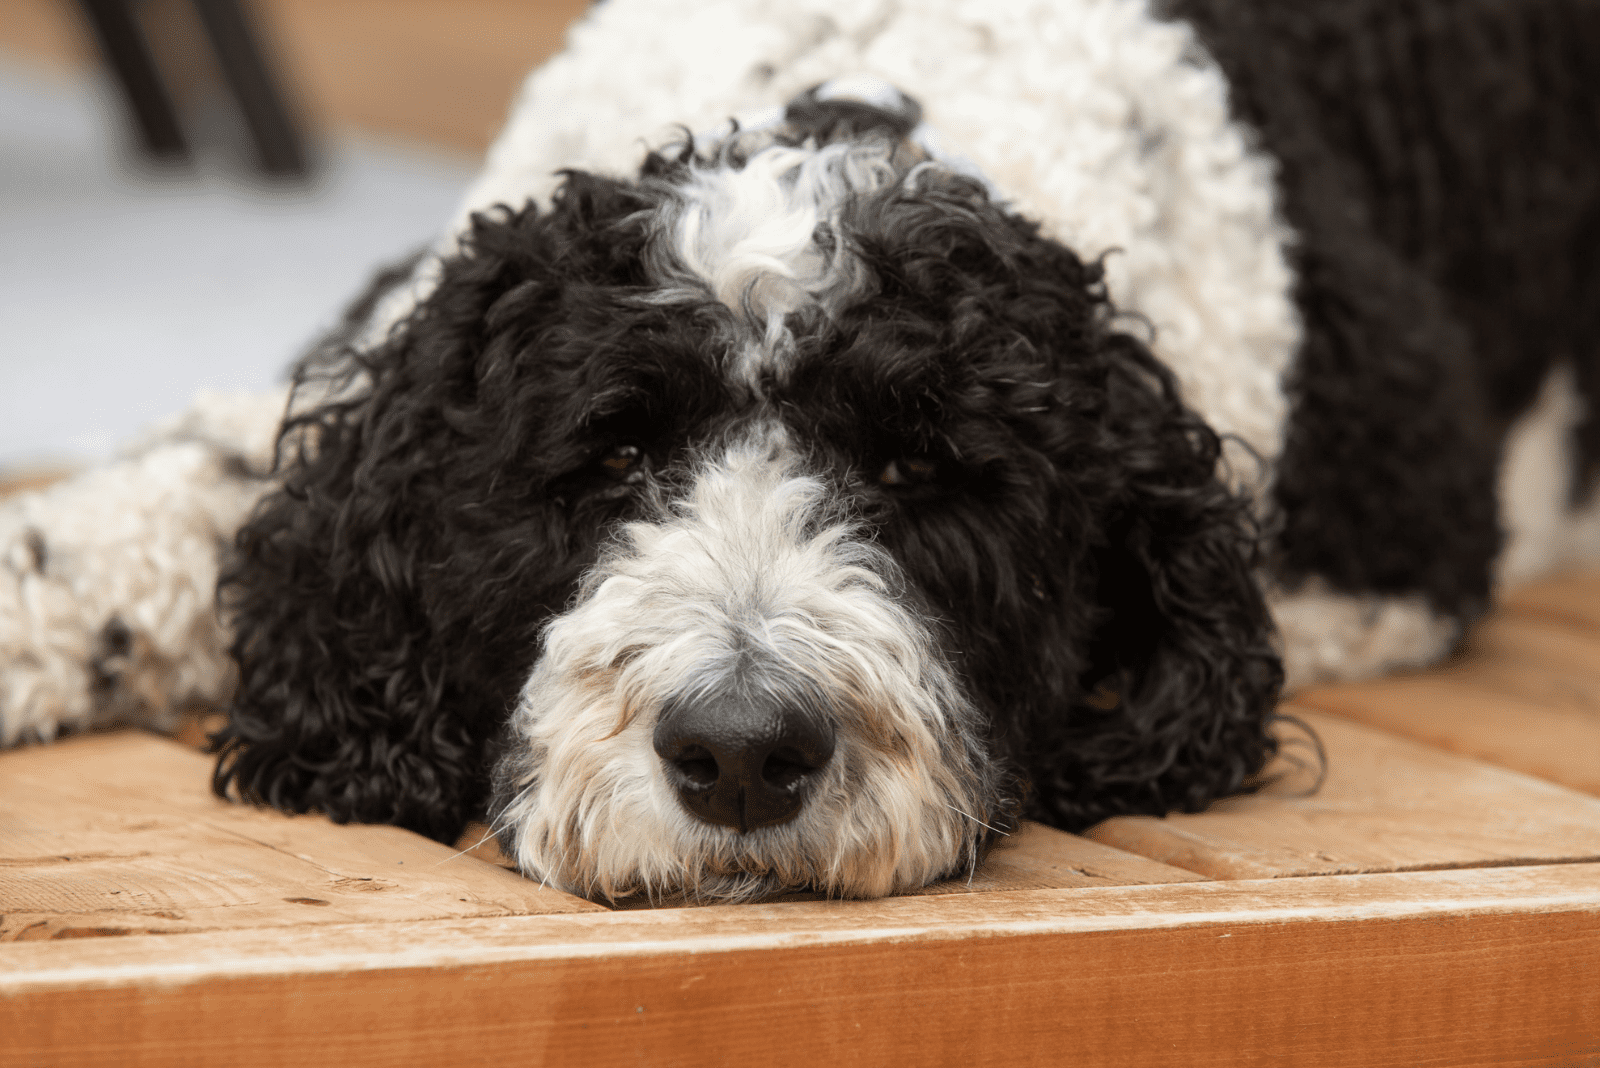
x=1387, y=804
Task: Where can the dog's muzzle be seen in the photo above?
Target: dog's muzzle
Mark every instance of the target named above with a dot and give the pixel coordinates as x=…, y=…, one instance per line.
x=741, y=701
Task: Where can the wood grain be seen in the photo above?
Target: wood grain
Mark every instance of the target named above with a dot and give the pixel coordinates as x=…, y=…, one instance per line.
x=118, y=834
x=1388, y=804
x=1536, y=720
x=1037, y=857
x=1525, y=694
x=1041, y=858
x=1422, y=968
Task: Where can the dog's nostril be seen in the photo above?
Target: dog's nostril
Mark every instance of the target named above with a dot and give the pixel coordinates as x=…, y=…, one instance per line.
x=698, y=766
x=786, y=769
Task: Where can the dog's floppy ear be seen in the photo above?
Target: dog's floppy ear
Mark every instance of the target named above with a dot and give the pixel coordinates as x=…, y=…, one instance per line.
x=1183, y=677
x=386, y=601
x=1121, y=639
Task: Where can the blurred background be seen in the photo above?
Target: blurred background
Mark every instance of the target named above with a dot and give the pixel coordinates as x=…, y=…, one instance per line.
x=190, y=190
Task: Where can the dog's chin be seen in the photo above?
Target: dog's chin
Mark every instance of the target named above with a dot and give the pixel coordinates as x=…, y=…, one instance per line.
x=589, y=810
x=667, y=853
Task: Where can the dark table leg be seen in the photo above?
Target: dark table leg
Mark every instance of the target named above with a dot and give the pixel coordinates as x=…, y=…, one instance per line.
x=272, y=127
x=128, y=54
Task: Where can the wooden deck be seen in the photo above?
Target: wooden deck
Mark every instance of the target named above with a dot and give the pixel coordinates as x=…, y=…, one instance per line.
x=1436, y=902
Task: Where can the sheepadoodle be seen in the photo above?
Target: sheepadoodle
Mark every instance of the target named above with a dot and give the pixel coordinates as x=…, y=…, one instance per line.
x=833, y=430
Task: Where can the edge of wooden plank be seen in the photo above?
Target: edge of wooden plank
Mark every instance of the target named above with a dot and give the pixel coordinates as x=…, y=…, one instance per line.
x=1382, y=971
x=165, y=960
x=1036, y=857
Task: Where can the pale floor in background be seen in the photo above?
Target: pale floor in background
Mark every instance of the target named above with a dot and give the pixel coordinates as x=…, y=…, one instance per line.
x=123, y=291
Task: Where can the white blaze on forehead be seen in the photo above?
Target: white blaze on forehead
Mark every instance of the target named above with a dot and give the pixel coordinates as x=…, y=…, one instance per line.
x=753, y=558
x=764, y=238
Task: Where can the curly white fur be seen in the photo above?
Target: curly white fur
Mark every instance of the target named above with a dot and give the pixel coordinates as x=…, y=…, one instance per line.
x=749, y=234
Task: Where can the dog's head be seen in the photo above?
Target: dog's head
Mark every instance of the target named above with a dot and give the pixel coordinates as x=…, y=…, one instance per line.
x=793, y=514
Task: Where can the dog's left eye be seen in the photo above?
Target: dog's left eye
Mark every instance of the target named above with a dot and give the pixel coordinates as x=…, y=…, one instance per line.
x=625, y=463
x=908, y=471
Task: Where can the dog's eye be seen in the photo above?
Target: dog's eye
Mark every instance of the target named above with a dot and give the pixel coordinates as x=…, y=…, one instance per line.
x=907, y=471
x=625, y=463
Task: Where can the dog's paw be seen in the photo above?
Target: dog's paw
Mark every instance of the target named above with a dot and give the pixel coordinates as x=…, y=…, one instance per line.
x=42, y=643
x=107, y=592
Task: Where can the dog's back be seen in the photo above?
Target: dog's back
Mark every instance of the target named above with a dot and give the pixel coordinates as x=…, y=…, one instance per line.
x=1440, y=166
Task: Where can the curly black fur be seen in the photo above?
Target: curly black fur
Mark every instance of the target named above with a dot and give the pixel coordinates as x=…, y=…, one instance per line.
x=1076, y=540
x=1440, y=164
x=1091, y=575
x=388, y=599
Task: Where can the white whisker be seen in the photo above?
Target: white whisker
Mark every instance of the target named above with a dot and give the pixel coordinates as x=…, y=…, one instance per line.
x=980, y=823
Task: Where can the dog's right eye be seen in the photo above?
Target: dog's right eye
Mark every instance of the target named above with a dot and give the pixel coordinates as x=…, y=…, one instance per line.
x=909, y=471
x=625, y=463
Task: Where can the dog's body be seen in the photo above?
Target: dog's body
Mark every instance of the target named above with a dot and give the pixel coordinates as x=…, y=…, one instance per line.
x=782, y=507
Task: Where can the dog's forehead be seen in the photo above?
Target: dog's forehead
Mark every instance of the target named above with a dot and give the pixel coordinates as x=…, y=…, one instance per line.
x=763, y=236
x=857, y=289
x=767, y=227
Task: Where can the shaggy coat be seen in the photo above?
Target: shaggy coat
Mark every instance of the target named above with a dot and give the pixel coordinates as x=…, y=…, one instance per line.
x=985, y=434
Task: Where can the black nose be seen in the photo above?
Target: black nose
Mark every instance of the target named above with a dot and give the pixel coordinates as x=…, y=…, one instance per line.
x=743, y=760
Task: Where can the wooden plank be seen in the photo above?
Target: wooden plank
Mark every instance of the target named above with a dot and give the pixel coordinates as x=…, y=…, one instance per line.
x=119, y=833
x=478, y=841
x=1538, y=721
x=1422, y=968
x=1525, y=694
x=116, y=835
x=1572, y=599
x=1037, y=857
x=1388, y=804
x=1535, y=642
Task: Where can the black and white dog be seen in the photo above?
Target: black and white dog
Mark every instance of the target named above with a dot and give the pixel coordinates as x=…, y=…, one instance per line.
x=983, y=433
